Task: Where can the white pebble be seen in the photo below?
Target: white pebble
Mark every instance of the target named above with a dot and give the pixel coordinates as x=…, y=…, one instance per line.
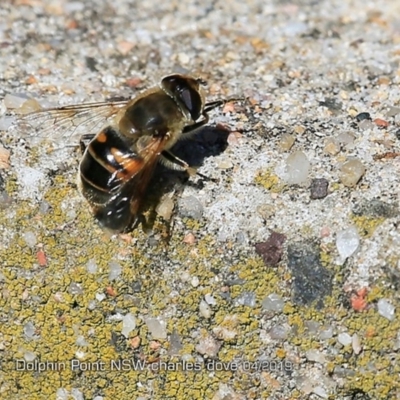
x=77, y=394
x=30, y=239
x=12, y=101
x=347, y=241
x=210, y=299
x=205, y=310
x=29, y=356
x=345, y=339
x=297, y=168
x=29, y=330
x=321, y=392
x=157, y=328
x=62, y=394
x=386, y=309
x=128, y=324
x=100, y=297
x=246, y=299
x=273, y=302
x=81, y=341
x=315, y=355
x=91, y=266
x=195, y=281
x=326, y=333
x=115, y=270
x=356, y=344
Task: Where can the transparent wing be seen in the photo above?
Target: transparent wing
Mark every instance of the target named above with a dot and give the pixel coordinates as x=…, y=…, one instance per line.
x=123, y=207
x=65, y=124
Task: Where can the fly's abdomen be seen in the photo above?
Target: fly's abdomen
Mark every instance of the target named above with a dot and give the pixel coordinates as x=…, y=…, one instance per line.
x=105, y=172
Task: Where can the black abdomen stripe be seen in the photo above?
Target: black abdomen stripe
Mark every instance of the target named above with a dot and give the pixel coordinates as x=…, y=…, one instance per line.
x=101, y=166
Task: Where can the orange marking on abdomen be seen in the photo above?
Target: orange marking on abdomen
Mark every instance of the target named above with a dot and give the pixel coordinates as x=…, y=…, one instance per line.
x=101, y=137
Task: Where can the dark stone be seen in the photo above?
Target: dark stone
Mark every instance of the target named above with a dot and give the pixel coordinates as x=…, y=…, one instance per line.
x=376, y=208
x=319, y=188
x=332, y=104
x=271, y=251
x=362, y=116
x=312, y=281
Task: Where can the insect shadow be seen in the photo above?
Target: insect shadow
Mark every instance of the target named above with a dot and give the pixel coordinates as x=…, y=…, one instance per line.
x=207, y=142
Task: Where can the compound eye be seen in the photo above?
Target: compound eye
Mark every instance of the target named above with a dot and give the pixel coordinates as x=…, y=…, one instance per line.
x=192, y=101
x=185, y=90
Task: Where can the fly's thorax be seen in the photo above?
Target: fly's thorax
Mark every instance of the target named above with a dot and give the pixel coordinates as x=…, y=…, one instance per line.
x=153, y=114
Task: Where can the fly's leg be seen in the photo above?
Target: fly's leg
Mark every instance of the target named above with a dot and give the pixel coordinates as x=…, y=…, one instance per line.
x=173, y=162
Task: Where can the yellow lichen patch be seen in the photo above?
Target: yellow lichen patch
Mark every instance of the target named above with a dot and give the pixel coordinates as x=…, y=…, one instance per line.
x=366, y=225
x=268, y=180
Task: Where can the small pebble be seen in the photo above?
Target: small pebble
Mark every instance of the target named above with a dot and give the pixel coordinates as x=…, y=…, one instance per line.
x=5, y=200
x=356, y=343
x=343, y=372
x=321, y=392
x=326, y=333
x=381, y=122
x=345, y=339
x=115, y=270
x=225, y=163
x=346, y=139
x=227, y=329
x=81, y=341
x=30, y=238
x=351, y=172
x=165, y=208
x=272, y=249
x=77, y=394
x=332, y=148
x=62, y=394
x=315, y=356
x=319, y=188
x=195, y=281
x=278, y=332
x=210, y=299
x=4, y=158
x=208, y=346
x=189, y=239
x=29, y=356
x=128, y=324
x=347, y=241
x=157, y=328
x=190, y=207
x=386, y=309
x=91, y=266
x=366, y=124
x=175, y=343
x=100, y=297
x=273, y=302
x=29, y=106
x=286, y=142
x=392, y=111
x=13, y=101
x=297, y=168
x=299, y=129
x=204, y=309
x=312, y=326
x=29, y=330
x=6, y=122
x=363, y=116
x=246, y=299
x=75, y=288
